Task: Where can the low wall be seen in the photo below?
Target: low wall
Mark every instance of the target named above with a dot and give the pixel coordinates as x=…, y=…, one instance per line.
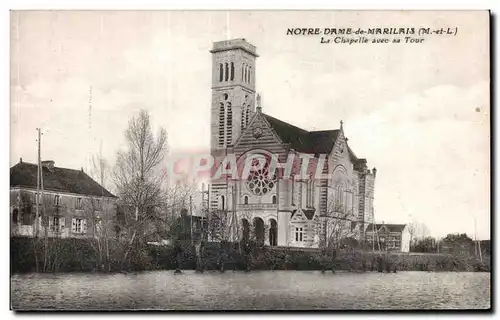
x=81, y=255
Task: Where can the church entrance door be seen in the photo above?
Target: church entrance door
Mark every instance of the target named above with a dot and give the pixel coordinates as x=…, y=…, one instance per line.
x=246, y=230
x=258, y=225
x=273, y=233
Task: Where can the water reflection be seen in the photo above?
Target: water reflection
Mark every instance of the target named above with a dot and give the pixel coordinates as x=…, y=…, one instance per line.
x=291, y=290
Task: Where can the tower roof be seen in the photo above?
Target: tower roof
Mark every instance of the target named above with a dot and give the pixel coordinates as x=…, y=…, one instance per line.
x=240, y=43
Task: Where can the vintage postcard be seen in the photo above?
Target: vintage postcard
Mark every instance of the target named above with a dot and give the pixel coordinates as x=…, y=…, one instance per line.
x=250, y=160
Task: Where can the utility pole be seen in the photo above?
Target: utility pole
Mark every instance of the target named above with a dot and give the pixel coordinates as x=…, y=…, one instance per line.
x=191, y=216
x=477, y=245
x=39, y=184
x=37, y=200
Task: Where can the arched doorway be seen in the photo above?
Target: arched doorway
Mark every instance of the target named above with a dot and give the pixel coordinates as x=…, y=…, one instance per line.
x=273, y=233
x=258, y=225
x=246, y=230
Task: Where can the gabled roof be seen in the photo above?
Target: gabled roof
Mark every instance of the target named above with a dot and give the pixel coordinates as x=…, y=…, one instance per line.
x=313, y=142
x=390, y=227
x=24, y=175
x=308, y=213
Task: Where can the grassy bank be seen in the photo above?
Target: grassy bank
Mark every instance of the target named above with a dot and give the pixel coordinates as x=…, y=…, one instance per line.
x=81, y=255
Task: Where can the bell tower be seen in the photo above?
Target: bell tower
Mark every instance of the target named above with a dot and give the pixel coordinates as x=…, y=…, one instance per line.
x=233, y=90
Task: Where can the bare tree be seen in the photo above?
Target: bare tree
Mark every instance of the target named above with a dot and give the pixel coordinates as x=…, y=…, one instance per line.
x=139, y=179
x=417, y=231
x=337, y=225
x=99, y=211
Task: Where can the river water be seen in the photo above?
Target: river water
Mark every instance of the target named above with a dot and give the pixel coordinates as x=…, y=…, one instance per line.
x=256, y=290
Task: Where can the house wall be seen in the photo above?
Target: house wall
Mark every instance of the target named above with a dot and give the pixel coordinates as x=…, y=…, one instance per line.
x=405, y=240
x=73, y=216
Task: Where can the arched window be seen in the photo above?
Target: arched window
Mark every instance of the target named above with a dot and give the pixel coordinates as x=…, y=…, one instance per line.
x=245, y=75
x=247, y=118
x=339, y=199
x=242, y=71
x=274, y=199
x=227, y=72
x=249, y=74
x=232, y=71
x=245, y=200
x=221, y=124
x=222, y=202
x=229, y=127
x=221, y=72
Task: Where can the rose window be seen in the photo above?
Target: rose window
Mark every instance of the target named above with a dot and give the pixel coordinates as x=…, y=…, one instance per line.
x=259, y=181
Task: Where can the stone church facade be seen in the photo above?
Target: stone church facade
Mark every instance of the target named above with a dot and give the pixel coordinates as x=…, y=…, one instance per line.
x=278, y=209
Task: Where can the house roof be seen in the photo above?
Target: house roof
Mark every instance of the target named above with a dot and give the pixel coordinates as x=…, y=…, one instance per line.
x=24, y=175
x=390, y=227
x=301, y=140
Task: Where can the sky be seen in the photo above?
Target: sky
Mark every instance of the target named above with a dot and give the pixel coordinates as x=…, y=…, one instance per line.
x=419, y=113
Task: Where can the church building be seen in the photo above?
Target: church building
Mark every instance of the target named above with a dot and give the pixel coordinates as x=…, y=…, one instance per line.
x=273, y=209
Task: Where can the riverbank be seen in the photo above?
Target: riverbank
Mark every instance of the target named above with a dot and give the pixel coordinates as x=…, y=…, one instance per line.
x=79, y=255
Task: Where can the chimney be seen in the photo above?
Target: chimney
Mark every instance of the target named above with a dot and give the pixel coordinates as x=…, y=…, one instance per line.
x=374, y=171
x=49, y=164
x=259, y=106
x=20, y=160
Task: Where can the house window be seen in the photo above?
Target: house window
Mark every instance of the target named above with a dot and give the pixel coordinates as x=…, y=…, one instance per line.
x=15, y=218
x=57, y=200
x=79, y=225
x=98, y=204
x=39, y=198
x=298, y=234
x=56, y=224
x=79, y=203
x=245, y=200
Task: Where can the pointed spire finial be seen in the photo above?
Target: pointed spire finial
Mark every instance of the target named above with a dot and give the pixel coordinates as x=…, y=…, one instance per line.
x=259, y=106
x=341, y=124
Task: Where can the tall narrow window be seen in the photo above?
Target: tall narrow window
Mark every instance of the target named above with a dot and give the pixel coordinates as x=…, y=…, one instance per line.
x=274, y=199
x=222, y=203
x=227, y=72
x=245, y=75
x=79, y=203
x=247, y=118
x=56, y=200
x=221, y=72
x=340, y=197
x=249, y=74
x=242, y=71
x=293, y=190
x=245, y=200
x=313, y=187
x=243, y=120
x=221, y=124
x=229, y=127
x=232, y=71
x=308, y=194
